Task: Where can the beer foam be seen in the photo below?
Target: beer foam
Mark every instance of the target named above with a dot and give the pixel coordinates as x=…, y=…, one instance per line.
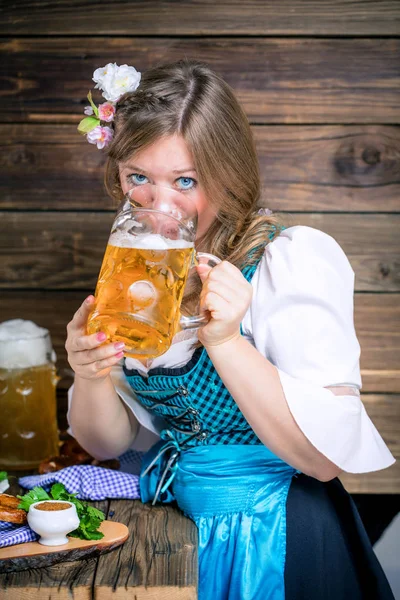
x=147, y=241
x=24, y=344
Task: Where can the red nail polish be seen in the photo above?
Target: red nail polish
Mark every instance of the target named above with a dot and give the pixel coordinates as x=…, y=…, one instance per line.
x=101, y=337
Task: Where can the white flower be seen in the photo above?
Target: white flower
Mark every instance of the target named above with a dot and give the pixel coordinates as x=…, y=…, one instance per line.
x=100, y=74
x=88, y=110
x=115, y=80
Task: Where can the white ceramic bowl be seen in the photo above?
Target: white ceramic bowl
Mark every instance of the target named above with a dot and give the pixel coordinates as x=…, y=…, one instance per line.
x=53, y=525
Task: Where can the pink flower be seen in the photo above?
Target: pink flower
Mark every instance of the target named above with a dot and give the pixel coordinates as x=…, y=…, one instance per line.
x=106, y=112
x=88, y=110
x=101, y=136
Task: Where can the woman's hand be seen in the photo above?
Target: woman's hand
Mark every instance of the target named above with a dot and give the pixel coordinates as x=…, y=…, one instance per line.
x=226, y=295
x=87, y=355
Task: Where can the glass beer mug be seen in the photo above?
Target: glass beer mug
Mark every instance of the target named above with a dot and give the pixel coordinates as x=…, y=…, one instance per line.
x=28, y=410
x=144, y=271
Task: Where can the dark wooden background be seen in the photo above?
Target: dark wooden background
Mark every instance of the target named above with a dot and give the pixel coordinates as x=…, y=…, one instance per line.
x=320, y=83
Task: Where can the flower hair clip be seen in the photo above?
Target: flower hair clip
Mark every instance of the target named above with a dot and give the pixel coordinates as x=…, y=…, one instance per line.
x=114, y=81
x=264, y=212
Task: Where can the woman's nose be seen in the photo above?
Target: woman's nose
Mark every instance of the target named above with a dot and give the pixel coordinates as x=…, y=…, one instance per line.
x=162, y=199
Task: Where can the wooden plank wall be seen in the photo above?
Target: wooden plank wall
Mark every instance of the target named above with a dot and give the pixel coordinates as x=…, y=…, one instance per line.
x=320, y=82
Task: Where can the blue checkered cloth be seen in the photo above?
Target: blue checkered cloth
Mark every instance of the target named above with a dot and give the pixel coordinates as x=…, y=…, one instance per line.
x=89, y=482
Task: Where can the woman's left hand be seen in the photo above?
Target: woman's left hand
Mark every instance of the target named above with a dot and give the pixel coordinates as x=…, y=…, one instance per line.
x=226, y=295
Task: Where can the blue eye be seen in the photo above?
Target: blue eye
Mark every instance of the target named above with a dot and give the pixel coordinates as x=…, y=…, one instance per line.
x=138, y=179
x=186, y=183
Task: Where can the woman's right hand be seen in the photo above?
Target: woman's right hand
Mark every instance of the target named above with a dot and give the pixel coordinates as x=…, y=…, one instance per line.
x=88, y=356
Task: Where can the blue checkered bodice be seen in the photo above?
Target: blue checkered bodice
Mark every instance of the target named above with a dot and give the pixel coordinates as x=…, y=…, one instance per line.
x=193, y=400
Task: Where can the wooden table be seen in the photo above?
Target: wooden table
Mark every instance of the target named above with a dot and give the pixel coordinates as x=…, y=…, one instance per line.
x=157, y=562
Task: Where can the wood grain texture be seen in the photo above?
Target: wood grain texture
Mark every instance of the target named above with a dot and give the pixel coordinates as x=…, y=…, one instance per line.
x=385, y=413
x=166, y=17
x=380, y=482
x=330, y=168
x=57, y=582
x=277, y=80
x=166, y=592
x=56, y=250
x=160, y=551
x=377, y=319
x=33, y=555
x=303, y=168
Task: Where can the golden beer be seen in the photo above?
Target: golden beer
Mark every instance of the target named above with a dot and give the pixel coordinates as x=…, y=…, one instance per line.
x=28, y=410
x=139, y=292
x=28, y=419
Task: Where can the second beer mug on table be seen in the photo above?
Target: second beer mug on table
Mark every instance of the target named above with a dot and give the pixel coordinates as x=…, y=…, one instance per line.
x=145, y=267
x=28, y=407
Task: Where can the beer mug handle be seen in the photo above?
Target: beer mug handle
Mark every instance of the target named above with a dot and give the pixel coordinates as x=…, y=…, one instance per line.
x=199, y=320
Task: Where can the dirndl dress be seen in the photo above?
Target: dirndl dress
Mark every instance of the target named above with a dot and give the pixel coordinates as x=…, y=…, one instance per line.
x=266, y=531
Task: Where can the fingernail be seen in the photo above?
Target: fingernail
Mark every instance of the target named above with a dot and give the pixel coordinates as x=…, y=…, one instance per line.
x=119, y=355
x=101, y=337
x=89, y=299
x=119, y=345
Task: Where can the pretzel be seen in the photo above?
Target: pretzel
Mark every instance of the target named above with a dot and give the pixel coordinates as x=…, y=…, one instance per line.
x=73, y=448
x=9, y=511
x=55, y=463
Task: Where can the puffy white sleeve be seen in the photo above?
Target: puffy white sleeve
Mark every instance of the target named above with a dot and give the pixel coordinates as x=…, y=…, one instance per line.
x=301, y=319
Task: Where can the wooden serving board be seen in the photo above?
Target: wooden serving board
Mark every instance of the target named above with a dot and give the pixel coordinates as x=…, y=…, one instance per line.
x=31, y=555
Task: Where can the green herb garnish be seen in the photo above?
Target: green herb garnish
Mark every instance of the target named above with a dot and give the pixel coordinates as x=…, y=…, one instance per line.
x=89, y=516
x=3, y=475
x=35, y=495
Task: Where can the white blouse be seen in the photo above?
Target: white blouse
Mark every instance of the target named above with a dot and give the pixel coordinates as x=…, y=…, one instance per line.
x=300, y=319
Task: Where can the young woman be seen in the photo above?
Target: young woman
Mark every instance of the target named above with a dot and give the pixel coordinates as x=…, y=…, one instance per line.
x=259, y=410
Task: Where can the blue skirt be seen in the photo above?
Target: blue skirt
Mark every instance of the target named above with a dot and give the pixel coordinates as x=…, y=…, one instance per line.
x=266, y=531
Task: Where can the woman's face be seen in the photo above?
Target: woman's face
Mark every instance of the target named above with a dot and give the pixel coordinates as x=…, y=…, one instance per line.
x=168, y=163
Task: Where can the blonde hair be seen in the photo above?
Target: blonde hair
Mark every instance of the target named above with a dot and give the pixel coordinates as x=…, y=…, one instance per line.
x=187, y=98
